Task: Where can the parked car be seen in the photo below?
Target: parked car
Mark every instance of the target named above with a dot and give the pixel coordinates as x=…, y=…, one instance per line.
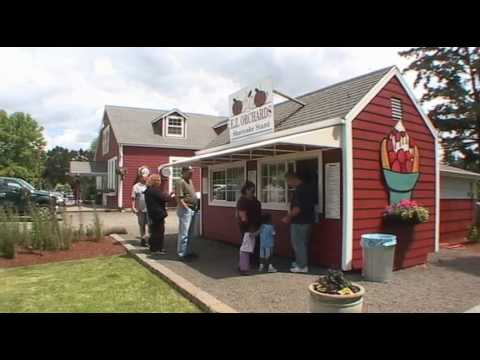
x=15, y=194
x=60, y=198
x=69, y=199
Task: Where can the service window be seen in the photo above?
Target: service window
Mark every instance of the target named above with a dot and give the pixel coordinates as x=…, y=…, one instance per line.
x=273, y=186
x=273, y=191
x=225, y=184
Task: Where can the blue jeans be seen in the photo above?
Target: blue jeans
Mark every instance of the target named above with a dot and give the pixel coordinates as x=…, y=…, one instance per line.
x=186, y=226
x=300, y=237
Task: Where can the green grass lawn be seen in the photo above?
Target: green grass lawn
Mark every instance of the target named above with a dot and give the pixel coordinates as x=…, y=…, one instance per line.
x=103, y=284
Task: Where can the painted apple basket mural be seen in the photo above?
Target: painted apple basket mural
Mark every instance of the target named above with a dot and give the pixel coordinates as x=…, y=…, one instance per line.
x=400, y=166
x=401, y=170
x=400, y=162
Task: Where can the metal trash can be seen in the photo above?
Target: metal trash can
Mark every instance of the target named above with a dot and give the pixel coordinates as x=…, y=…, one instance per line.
x=378, y=256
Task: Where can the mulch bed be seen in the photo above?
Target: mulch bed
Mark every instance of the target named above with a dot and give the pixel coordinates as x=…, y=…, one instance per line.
x=79, y=250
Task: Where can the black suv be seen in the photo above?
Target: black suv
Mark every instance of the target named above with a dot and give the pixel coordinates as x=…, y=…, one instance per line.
x=16, y=194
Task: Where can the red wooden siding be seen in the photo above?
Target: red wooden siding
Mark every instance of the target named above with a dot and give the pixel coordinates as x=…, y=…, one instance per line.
x=219, y=223
x=136, y=156
x=370, y=192
x=456, y=217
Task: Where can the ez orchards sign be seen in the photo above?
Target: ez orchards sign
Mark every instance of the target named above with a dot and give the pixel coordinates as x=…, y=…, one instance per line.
x=251, y=111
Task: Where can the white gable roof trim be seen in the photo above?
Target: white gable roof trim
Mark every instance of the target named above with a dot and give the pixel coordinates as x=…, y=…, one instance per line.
x=394, y=72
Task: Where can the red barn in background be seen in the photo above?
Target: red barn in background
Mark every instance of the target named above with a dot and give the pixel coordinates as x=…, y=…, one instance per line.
x=133, y=137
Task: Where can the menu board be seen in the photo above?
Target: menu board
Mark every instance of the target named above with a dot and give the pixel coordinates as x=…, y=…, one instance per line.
x=332, y=191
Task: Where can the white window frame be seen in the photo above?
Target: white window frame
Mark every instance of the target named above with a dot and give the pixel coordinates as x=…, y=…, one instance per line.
x=181, y=126
x=106, y=140
x=112, y=173
x=211, y=169
x=314, y=154
x=172, y=159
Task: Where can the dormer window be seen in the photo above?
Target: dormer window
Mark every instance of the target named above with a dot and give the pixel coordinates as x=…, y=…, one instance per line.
x=171, y=124
x=175, y=126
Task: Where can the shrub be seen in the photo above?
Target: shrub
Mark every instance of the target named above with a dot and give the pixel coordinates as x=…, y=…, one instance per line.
x=48, y=234
x=97, y=226
x=9, y=233
x=474, y=234
x=45, y=232
x=64, y=188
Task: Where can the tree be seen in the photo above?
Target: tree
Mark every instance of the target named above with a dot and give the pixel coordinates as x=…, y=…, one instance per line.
x=57, y=165
x=93, y=145
x=450, y=77
x=22, y=146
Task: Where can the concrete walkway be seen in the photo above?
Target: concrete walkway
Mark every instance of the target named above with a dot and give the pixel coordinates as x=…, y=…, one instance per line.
x=83, y=208
x=449, y=283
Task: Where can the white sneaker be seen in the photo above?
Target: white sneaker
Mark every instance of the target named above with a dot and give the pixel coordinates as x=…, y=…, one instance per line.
x=296, y=269
x=260, y=268
x=271, y=269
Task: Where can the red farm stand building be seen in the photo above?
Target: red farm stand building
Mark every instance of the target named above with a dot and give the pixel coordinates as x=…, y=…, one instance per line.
x=365, y=143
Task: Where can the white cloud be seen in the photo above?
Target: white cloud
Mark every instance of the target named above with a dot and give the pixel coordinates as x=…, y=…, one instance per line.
x=66, y=89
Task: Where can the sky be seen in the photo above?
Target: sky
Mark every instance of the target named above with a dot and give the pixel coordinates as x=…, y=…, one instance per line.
x=66, y=89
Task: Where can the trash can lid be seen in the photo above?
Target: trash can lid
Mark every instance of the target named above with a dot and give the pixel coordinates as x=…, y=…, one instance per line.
x=378, y=240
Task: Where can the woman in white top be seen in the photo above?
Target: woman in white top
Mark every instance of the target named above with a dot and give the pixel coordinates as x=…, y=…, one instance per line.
x=138, y=203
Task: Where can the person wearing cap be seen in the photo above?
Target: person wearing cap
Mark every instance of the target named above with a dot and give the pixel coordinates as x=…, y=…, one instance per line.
x=186, y=210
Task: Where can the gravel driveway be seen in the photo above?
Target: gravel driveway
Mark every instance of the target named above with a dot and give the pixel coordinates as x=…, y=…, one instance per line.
x=450, y=282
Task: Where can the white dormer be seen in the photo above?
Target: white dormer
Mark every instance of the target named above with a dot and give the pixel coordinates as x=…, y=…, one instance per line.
x=173, y=124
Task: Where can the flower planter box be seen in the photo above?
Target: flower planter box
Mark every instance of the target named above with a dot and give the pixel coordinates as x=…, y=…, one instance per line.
x=330, y=303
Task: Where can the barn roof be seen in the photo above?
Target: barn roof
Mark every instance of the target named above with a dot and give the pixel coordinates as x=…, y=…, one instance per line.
x=88, y=167
x=447, y=170
x=334, y=101
x=133, y=126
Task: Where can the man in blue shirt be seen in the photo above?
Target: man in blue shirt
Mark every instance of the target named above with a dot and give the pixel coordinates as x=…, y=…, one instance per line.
x=301, y=216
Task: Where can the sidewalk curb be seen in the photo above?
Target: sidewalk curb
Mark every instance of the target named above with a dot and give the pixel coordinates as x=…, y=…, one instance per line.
x=199, y=297
x=90, y=211
x=475, y=309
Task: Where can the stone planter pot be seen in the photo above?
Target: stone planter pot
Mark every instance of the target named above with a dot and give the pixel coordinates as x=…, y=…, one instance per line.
x=327, y=303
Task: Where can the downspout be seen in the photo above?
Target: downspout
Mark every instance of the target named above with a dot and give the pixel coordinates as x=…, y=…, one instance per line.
x=347, y=181
x=200, y=215
x=437, y=194
x=120, y=183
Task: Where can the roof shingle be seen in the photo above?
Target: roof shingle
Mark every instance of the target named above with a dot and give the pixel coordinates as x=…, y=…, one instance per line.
x=334, y=101
x=134, y=126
